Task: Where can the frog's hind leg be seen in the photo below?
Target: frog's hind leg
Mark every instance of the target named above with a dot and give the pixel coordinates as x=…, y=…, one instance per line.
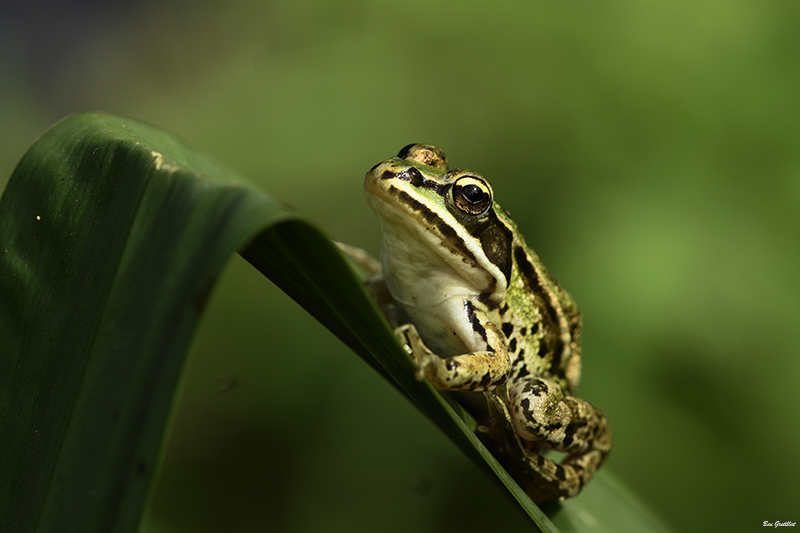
x=542, y=415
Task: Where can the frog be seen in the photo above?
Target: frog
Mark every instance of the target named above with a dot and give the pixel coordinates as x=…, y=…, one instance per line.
x=478, y=312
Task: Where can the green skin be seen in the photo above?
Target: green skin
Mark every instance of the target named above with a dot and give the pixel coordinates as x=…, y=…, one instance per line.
x=480, y=313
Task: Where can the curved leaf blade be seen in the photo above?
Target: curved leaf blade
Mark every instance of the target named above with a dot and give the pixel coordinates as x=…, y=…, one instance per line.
x=108, y=250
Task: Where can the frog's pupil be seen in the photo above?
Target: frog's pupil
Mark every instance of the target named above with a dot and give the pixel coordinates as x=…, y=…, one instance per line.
x=472, y=192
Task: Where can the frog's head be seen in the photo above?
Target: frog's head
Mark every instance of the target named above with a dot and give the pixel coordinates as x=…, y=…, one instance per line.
x=439, y=222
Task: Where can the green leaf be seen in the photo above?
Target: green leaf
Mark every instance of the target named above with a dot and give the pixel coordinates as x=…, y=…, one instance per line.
x=112, y=234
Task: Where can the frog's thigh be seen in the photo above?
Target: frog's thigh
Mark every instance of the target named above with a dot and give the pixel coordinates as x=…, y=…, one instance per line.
x=541, y=412
x=476, y=371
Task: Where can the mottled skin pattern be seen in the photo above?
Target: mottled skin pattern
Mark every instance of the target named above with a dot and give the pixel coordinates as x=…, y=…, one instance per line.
x=485, y=316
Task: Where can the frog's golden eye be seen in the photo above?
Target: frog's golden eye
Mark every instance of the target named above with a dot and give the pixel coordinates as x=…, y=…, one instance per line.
x=471, y=195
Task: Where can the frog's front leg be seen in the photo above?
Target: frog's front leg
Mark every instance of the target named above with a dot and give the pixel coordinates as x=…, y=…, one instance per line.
x=475, y=371
x=543, y=413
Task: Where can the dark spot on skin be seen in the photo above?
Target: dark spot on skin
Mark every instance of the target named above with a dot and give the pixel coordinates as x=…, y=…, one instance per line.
x=558, y=351
x=536, y=388
x=573, y=427
x=523, y=371
x=569, y=433
x=496, y=244
x=553, y=427
x=504, y=309
x=521, y=353
x=542, y=349
x=388, y=175
x=477, y=327
x=508, y=328
x=526, y=405
x=452, y=364
x=560, y=474
x=486, y=299
x=523, y=331
x=512, y=346
x=485, y=380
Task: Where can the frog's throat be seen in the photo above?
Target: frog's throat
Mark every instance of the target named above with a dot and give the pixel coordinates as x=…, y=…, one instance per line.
x=405, y=234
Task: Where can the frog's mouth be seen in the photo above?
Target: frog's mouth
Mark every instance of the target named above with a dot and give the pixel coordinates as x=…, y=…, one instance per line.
x=398, y=207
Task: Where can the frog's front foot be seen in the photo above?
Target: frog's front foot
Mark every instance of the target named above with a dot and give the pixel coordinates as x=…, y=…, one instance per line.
x=412, y=343
x=475, y=371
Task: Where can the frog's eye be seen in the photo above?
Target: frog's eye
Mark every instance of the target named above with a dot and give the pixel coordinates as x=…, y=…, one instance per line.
x=471, y=195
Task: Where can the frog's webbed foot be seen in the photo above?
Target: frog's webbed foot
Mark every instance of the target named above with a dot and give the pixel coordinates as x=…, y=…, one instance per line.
x=476, y=371
x=543, y=415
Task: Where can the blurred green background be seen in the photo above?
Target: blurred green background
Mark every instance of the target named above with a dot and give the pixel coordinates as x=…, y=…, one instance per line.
x=649, y=151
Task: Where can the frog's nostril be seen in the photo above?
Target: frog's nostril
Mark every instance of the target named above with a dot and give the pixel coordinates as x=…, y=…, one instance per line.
x=416, y=176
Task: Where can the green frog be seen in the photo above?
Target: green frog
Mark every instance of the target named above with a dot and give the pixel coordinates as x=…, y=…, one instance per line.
x=480, y=313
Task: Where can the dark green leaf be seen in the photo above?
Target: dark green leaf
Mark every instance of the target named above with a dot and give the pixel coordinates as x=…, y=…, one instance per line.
x=111, y=236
